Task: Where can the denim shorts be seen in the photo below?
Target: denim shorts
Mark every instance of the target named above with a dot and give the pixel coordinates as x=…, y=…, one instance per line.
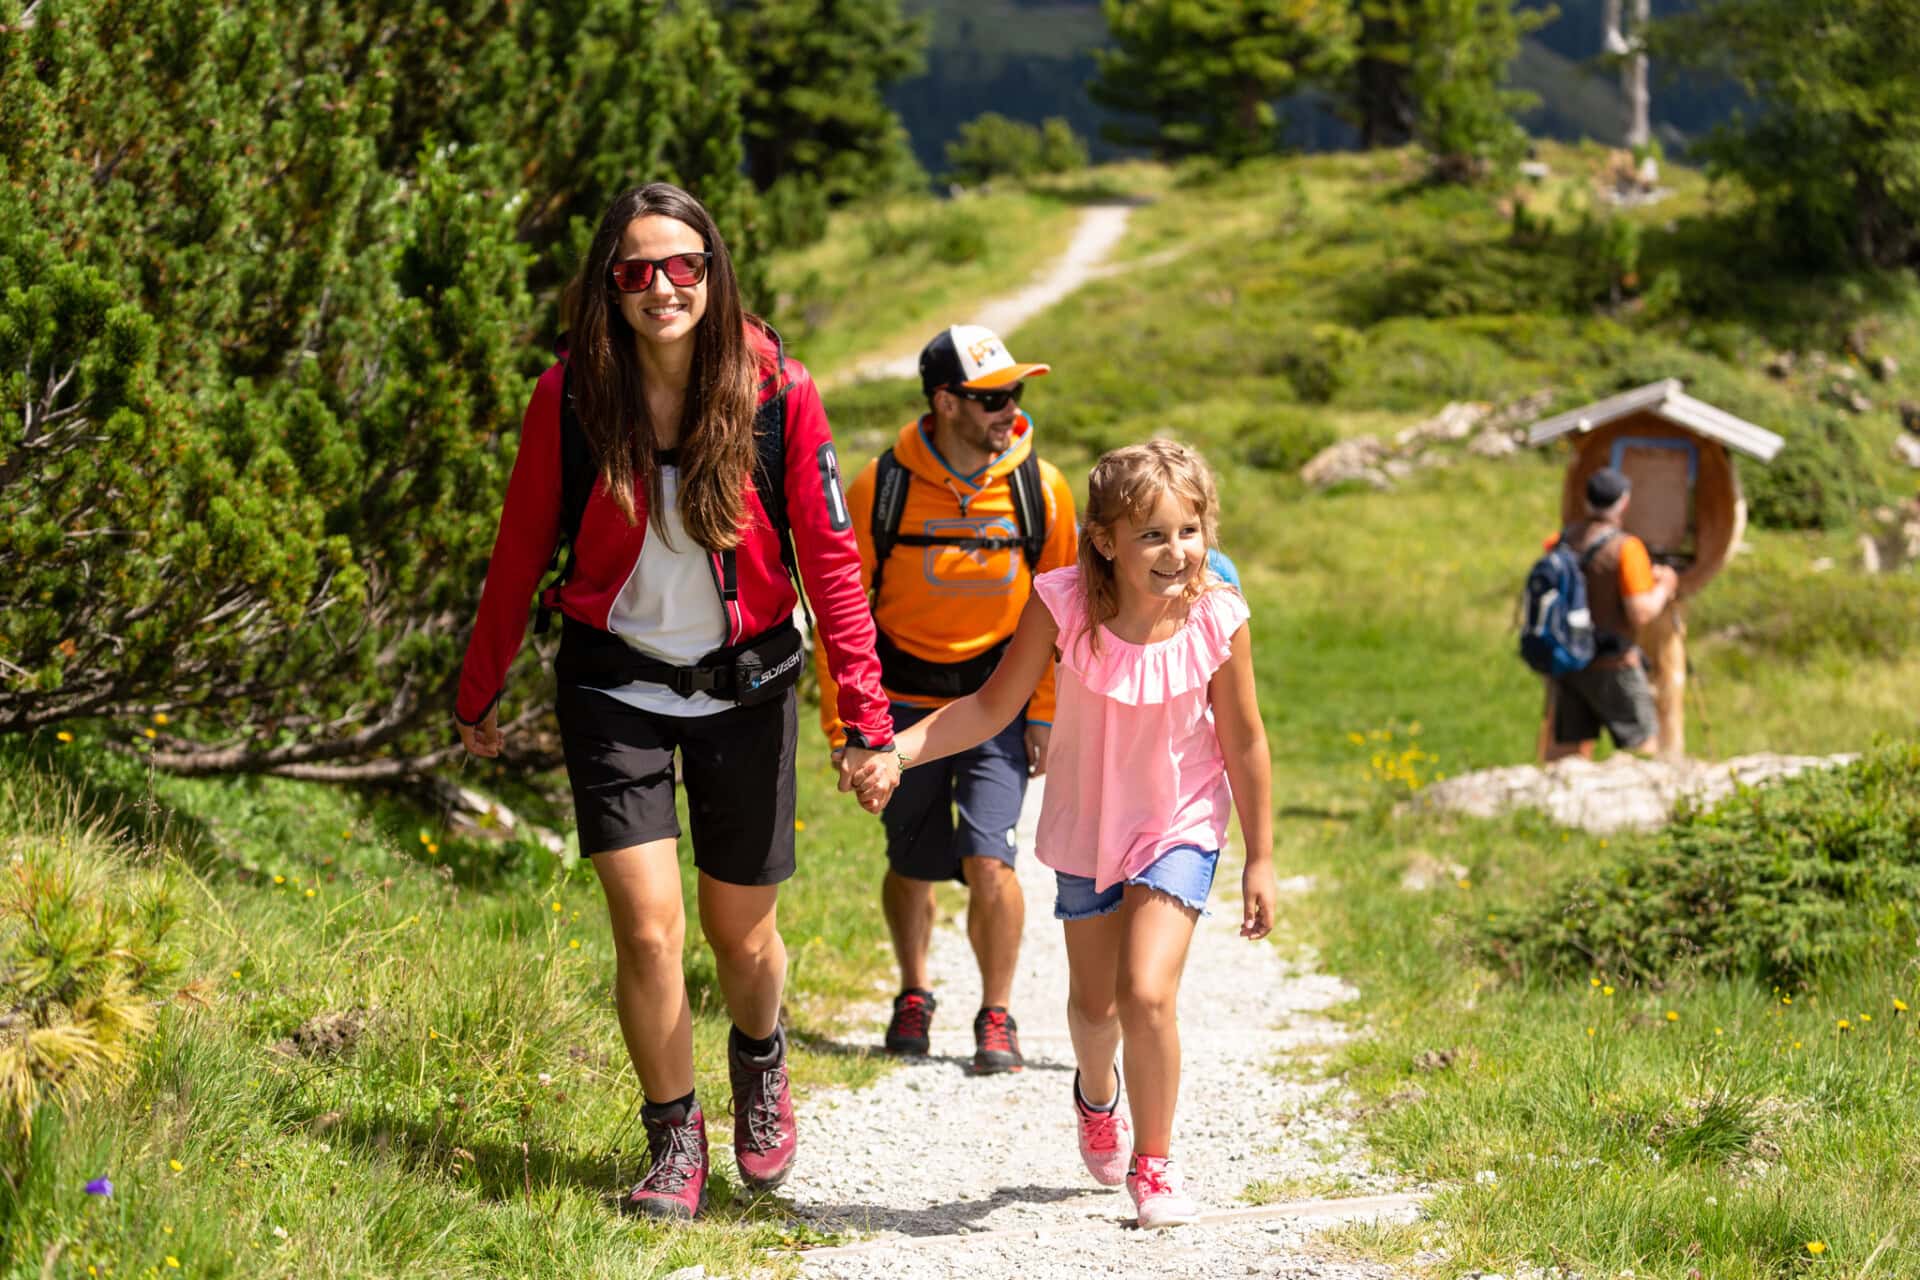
x=1184, y=873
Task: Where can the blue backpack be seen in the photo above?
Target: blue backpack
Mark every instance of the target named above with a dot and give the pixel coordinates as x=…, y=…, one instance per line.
x=1556, y=627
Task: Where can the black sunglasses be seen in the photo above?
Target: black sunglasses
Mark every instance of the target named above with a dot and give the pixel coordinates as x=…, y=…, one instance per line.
x=991, y=401
x=635, y=275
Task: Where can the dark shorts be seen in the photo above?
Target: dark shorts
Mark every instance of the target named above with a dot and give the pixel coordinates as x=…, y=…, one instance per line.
x=737, y=766
x=1615, y=698
x=963, y=806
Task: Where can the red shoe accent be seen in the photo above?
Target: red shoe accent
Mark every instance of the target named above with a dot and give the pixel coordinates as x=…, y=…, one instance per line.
x=996, y=1042
x=908, y=1029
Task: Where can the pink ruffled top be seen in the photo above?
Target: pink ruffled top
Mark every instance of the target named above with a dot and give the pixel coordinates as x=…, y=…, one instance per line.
x=1134, y=766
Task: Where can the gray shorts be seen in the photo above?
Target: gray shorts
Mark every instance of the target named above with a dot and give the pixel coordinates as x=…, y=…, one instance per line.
x=1615, y=698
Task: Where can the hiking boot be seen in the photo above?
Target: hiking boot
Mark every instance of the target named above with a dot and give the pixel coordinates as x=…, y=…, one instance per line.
x=676, y=1181
x=764, y=1135
x=1159, y=1199
x=1105, y=1137
x=996, y=1042
x=912, y=1018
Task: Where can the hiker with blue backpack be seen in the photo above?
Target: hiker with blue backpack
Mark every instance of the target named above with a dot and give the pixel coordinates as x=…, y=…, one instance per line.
x=1585, y=602
x=685, y=464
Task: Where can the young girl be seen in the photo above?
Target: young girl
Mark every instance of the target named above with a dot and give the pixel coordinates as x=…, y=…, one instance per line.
x=1155, y=723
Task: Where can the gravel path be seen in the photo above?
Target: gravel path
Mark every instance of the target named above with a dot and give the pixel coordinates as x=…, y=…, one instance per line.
x=929, y=1151
x=1100, y=229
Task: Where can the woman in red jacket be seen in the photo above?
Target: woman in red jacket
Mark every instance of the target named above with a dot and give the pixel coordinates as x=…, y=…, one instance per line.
x=706, y=449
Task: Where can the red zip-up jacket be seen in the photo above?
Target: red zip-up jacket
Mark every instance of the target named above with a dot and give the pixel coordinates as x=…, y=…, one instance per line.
x=608, y=548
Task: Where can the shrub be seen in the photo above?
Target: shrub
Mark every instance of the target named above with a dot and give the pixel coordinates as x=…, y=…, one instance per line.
x=84, y=951
x=1815, y=873
x=948, y=233
x=1316, y=364
x=1820, y=480
x=1283, y=440
x=993, y=146
x=1796, y=616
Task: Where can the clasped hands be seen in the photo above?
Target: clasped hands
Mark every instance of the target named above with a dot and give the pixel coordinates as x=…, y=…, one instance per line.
x=870, y=775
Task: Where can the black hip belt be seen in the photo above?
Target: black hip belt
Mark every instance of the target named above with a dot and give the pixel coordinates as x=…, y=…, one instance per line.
x=756, y=670
x=902, y=672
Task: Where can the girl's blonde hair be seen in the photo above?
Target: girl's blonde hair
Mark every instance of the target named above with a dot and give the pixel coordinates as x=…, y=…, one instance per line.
x=1127, y=484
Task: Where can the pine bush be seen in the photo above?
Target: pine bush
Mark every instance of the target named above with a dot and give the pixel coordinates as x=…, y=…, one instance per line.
x=1813, y=874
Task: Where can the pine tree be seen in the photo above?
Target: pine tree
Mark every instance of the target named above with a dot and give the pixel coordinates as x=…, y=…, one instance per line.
x=1833, y=160
x=1207, y=72
x=1464, y=117
x=816, y=124
x=273, y=281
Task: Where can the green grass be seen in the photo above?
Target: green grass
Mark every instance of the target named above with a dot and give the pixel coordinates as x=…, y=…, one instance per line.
x=432, y=1144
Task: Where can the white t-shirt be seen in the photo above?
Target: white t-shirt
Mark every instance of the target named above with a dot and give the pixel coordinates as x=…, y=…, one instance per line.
x=669, y=609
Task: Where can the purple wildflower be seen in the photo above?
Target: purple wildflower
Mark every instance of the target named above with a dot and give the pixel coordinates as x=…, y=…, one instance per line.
x=101, y=1186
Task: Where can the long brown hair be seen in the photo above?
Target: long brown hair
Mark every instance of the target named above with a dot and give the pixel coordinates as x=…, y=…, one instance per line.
x=1127, y=484
x=609, y=390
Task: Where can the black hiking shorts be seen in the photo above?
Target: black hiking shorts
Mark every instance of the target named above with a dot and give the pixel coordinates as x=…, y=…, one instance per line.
x=737, y=766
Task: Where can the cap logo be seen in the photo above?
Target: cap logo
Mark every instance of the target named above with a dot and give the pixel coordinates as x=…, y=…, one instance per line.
x=983, y=349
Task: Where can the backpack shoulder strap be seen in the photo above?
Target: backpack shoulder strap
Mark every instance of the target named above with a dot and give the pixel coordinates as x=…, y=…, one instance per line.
x=889, y=505
x=577, y=475
x=1586, y=557
x=1030, y=509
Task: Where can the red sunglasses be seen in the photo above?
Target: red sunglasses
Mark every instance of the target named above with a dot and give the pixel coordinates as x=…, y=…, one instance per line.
x=635, y=275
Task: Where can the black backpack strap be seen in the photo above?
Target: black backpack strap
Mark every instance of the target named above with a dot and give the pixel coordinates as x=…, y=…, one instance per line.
x=889, y=505
x=1586, y=557
x=1030, y=510
x=577, y=475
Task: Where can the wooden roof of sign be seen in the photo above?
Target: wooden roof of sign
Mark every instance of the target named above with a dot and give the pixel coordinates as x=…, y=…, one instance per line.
x=1666, y=399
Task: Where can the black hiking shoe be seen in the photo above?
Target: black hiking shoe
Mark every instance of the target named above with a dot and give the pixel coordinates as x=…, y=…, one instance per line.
x=912, y=1018
x=996, y=1042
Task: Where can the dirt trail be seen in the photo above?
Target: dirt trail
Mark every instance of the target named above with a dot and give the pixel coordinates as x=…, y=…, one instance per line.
x=1100, y=230
x=946, y=1175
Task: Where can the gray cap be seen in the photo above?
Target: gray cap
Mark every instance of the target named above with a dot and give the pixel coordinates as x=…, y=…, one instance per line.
x=1607, y=486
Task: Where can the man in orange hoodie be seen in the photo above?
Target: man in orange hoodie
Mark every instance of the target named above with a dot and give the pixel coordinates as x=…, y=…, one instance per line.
x=953, y=522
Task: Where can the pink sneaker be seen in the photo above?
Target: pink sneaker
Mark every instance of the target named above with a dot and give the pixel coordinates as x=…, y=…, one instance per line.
x=1158, y=1197
x=676, y=1181
x=1104, y=1139
x=765, y=1137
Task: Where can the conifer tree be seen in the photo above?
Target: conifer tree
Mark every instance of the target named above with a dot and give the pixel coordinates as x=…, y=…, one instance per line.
x=816, y=124
x=273, y=280
x=1834, y=158
x=1207, y=72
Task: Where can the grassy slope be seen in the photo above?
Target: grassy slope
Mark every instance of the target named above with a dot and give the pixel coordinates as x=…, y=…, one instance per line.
x=1383, y=622
x=1378, y=615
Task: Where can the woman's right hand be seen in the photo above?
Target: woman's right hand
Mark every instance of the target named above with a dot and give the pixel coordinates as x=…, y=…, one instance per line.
x=485, y=738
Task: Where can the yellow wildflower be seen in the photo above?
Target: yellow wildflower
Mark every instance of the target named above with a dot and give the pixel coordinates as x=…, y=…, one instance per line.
x=173, y=1262
x=1844, y=1025
x=309, y=893
x=175, y=1166
x=1899, y=1005
x=279, y=879
x=1606, y=991
x=1673, y=1015
x=64, y=736
x=433, y=848
x=799, y=824
x=556, y=908
x=1589, y=1030
x=573, y=943
x=160, y=718
x=1816, y=1247
x=149, y=733
x=236, y=973
x=1593, y=982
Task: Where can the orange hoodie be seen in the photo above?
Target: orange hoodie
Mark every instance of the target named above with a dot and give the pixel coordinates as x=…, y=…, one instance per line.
x=942, y=603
